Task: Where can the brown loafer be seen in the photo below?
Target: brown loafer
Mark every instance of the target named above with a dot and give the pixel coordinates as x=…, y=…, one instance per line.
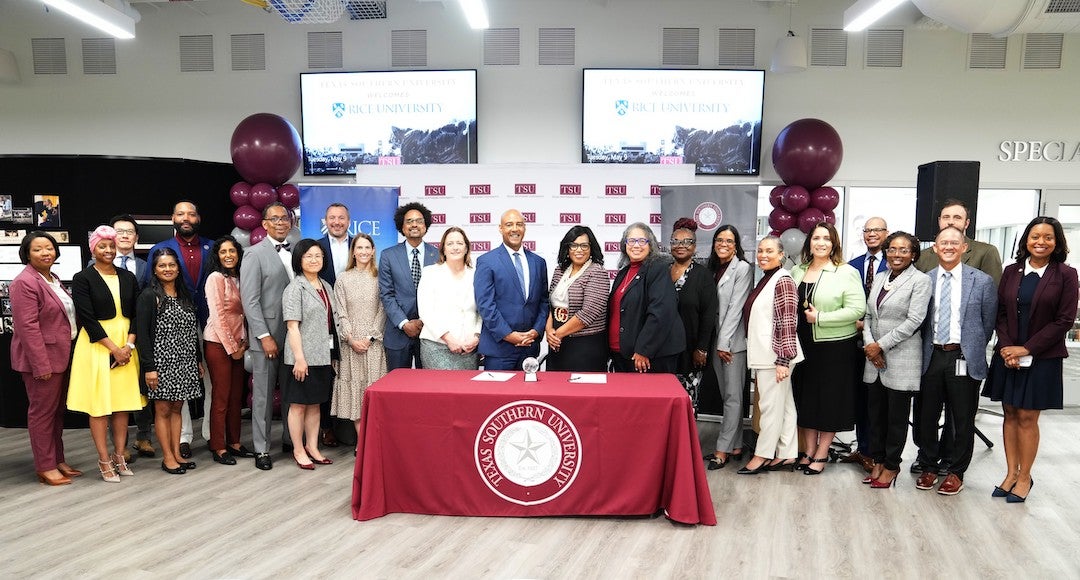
x=144, y=448
x=951, y=486
x=926, y=480
x=328, y=438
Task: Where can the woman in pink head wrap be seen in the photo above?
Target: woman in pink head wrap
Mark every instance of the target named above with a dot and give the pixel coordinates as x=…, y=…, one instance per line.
x=105, y=381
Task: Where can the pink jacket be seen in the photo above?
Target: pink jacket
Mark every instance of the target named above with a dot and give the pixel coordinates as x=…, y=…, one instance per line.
x=42, y=333
x=225, y=325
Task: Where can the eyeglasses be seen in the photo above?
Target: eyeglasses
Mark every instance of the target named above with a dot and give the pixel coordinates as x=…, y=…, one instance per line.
x=125, y=232
x=278, y=219
x=414, y=221
x=313, y=257
x=898, y=251
x=686, y=243
x=874, y=230
x=637, y=241
x=584, y=246
x=724, y=242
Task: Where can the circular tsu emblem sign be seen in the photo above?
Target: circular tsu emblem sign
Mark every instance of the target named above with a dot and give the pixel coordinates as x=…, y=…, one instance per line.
x=708, y=215
x=528, y=452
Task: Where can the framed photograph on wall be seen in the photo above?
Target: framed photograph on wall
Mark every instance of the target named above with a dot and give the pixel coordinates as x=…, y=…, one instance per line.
x=5, y=206
x=47, y=211
x=22, y=215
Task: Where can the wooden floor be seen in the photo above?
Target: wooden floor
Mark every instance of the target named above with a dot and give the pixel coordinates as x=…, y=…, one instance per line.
x=238, y=522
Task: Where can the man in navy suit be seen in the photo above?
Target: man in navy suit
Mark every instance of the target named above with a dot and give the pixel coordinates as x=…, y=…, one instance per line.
x=194, y=251
x=335, y=244
x=961, y=320
x=400, y=267
x=511, y=298
x=869, y=265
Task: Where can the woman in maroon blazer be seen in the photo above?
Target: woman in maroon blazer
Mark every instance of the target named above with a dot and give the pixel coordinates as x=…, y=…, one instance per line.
x=1037, y=300
x=43, y=317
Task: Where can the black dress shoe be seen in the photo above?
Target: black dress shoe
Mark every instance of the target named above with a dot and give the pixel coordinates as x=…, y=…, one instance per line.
x=189, y=465
x=224, y=458
x=263, y=461
x=179, y=470
x=240, y=452
x=763, y=468
x=185, y=450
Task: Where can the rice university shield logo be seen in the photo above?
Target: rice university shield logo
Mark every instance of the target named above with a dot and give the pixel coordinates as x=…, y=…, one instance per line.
x=528, y=452
x=622, y=106
x=338, y=109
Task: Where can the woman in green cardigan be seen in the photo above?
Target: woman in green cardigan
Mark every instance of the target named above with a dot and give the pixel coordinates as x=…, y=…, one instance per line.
x=831, y=301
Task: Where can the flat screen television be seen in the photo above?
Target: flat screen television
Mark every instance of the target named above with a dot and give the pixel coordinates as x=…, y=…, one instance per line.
x=387, y=118
x=711, y=118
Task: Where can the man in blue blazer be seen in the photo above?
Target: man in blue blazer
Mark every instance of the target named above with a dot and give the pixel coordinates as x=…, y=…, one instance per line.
x=193, y=251
x=958, y=327
x=511, y=297
x=335, y=245
x=875, y=230
x=400, y=267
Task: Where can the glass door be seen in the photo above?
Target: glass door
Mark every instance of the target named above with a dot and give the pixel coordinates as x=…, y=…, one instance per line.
x=1065, y=206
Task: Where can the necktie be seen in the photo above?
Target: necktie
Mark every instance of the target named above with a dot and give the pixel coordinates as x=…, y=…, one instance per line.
x=124, y=261
x=520, y=273
x=279, y=247
x=869, y=272
x=415, y=267
x=944, y=310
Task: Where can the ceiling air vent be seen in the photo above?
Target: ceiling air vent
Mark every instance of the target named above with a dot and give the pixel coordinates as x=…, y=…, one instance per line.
x=1042, y=51
x=884, y=48
x=408, y=48
x=557, y=46
x=50, y=56
x=197, y=53
x=1063, y=7
x=99, y=56
x=828, y=47
x=736, y=47
x=361, y=10
x=502, y=46
x=324, y=50
x=680, y=47
x=248, y=52
x=987, y=52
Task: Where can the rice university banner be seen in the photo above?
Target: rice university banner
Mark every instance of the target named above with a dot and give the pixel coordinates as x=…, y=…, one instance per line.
x=711, y=206
x=371, y=211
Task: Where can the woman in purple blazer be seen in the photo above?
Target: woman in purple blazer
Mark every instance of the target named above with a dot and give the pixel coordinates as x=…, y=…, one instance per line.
x=43, y=317
x=1037, y=300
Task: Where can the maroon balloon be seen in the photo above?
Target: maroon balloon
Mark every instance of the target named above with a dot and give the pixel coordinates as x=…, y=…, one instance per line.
x=240, y=194
x=257, y=235
x=289, y=195
x=825, y=198
x=781, y=220
x=795, y=198
x=807, y=152
x=775, y=195
x=830, y=217
x=774, y=233
x=265, y=148
x=809, y=218
x=246, y=217
x=262, y=195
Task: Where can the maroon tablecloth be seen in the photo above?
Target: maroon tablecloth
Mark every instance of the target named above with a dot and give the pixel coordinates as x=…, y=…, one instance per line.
x=437, y=442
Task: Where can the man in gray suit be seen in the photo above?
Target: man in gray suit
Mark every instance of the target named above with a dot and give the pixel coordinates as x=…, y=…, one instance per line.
x=267, y=270
x=399, y=274
x=958, y=327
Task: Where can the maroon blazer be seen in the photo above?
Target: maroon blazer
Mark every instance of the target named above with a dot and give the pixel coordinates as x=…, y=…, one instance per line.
x=1052, y=310
x=42, y=340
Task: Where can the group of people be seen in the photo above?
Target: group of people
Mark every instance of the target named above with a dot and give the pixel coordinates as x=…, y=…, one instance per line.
x=831, y=345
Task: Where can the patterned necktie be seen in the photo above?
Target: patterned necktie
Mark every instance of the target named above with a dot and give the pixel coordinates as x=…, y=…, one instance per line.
x=944, y=310
x=124, y=261
x=415, y=267
x=520, y=273
x=869, y=273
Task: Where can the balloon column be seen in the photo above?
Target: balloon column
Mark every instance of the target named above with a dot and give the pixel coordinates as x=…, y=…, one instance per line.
x=806, y=155
x=266, y=152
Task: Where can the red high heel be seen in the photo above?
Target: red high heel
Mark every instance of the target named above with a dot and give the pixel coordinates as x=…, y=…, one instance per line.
x=878, y=484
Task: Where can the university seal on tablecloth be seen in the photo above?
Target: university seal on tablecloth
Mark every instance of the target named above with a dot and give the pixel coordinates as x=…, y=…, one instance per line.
x=528, y=452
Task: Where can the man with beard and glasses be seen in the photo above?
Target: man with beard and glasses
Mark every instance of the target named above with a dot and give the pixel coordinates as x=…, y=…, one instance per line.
x=193, y=251
x=400, y=267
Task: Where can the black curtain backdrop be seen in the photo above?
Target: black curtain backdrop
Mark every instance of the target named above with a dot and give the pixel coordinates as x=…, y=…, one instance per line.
x=92, y=189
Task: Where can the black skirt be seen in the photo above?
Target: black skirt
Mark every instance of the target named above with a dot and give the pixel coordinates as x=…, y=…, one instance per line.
x=314, y=390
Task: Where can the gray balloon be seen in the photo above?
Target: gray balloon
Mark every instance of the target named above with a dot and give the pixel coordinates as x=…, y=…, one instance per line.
x=792, y=239
x=247, y=360
x=294, y=236
x=243, y=236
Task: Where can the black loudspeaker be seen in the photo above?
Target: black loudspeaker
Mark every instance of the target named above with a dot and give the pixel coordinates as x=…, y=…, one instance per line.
x=939, y=181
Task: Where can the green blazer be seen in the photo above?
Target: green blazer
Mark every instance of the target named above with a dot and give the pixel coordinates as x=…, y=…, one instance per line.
x=979, y=255
x=839, y=299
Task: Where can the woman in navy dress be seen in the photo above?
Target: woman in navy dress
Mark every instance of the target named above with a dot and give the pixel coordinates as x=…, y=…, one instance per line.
x=1037, y=301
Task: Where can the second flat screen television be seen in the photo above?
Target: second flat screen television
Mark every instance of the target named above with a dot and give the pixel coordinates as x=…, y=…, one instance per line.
x=710, y=118
x=389, y=118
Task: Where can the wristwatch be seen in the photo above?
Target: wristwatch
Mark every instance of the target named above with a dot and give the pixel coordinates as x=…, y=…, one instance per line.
x=130, y=345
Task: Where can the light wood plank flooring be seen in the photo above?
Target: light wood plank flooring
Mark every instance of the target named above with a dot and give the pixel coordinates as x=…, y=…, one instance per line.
x=238, y=522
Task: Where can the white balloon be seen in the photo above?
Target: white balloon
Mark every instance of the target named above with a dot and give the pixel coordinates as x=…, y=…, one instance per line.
x=242, y=236
x=294, y=236
x=247, y=360
x=792, y=239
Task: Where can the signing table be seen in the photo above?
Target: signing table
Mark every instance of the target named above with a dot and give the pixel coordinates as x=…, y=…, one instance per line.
x=438, y=442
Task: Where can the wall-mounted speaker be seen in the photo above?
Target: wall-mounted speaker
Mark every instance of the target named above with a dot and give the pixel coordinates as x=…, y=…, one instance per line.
x=939, y=181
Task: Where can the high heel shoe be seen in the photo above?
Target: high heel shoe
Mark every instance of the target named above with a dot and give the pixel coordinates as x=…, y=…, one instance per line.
x=323, y=461
x=763, y=468
x=784, y=465
x=1011, y=497
x=999, y=492
x=109, y=472
x=305, y=466
x=178, y=470
x=799, y=465
x=808, y=471
x=121, y=465
x=67, y=471
x=878, y=484
x=62, y=480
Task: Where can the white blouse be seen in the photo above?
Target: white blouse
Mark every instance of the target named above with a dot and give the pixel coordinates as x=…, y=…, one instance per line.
x=447, y=304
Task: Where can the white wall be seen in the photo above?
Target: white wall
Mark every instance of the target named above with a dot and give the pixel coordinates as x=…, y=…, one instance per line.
x=890, y=120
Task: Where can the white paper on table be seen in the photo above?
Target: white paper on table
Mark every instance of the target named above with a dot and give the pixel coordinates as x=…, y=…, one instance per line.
x=593, y=378
x=493, y=376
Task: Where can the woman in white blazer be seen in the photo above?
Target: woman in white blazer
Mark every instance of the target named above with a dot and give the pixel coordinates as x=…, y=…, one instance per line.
x=447, y=305
x=895, y=311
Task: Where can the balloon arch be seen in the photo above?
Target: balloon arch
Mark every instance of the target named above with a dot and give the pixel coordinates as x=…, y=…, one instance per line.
x=266, y=152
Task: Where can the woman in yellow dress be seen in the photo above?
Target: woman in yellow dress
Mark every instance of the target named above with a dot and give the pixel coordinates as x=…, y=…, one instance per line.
x=105, y=384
